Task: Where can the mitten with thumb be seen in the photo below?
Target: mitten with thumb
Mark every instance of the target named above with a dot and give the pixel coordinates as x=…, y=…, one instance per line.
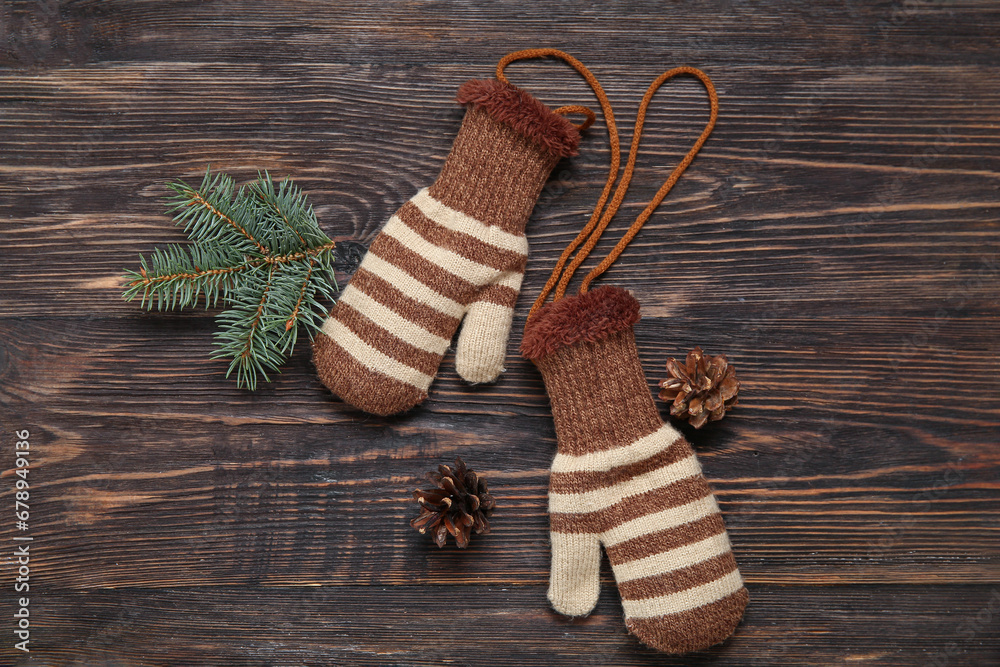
x=456, y=249
x=623, y=479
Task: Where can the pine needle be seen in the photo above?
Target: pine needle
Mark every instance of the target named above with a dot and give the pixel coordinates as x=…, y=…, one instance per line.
x=259, y=251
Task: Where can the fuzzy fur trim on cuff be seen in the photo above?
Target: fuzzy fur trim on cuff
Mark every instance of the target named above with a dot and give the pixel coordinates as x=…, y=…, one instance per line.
x=522, y=112
x=585, y=317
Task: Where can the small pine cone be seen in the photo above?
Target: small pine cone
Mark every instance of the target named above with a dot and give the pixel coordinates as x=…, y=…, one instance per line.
x=460, y=505
x=702, y=390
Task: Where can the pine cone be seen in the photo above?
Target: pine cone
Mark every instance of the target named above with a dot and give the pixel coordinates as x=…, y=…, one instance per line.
x=702, y=390
x=460, y=505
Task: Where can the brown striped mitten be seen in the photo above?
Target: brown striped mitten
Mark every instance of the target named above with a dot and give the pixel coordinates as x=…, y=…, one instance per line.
x=456, y=250
x=624, y=479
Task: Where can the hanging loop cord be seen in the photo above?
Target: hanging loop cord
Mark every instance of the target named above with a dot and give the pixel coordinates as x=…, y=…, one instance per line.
x=627, y=177
x=576, y=108
x=528, y=54
x=591, y=232
x=609, y=118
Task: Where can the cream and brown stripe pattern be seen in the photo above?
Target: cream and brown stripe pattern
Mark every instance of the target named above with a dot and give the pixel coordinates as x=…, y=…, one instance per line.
x=625, y=480
x=430, y=267
x=456, y=250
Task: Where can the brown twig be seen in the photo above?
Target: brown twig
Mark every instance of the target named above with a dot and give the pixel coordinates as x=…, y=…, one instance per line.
x=302, y=294
x=274, y=208
x=272, y=260
x=246, y=352
x=302, y=254
x=198, y=199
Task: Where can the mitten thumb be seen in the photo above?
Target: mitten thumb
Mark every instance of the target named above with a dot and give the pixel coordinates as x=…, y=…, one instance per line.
x=482, y=345
x=574, y=581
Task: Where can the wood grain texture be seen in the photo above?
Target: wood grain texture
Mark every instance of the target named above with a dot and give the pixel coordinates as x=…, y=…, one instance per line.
x=837, y=238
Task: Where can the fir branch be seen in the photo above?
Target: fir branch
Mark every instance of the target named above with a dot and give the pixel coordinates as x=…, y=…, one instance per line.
x=290, y=322
x=244, y=339
x=259, y=249
x=177, y=276
x=197, y=201
x=181, y=265
x=284, y=209
x=297, y=256
x=212, y=215
x=276, y=203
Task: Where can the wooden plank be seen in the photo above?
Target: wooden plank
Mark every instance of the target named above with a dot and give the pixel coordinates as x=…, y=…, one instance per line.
x=47, y=33
x=416, y=625
x=246, y=502
x=885, y=366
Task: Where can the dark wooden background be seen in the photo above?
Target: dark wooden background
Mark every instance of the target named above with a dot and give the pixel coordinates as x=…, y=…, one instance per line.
x=837, y=238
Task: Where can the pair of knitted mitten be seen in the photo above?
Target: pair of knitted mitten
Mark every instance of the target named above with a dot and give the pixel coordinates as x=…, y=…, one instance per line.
x=456, y=250
x=455, y=255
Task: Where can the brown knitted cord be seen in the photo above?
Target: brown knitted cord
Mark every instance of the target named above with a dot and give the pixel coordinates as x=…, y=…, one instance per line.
x=609, y=117
x=595, y=227
x=627, y=176
x=576, y=108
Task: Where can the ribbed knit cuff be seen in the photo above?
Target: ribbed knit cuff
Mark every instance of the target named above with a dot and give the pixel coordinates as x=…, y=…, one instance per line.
x=585, y=348
x=586, y=317
x=523, y=113
x=504, y=152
